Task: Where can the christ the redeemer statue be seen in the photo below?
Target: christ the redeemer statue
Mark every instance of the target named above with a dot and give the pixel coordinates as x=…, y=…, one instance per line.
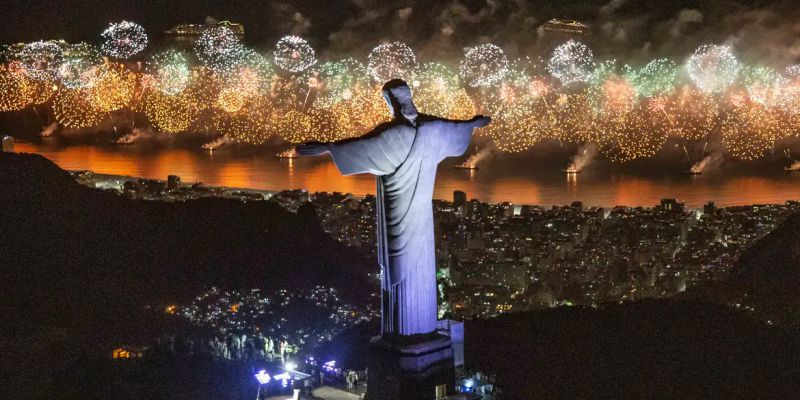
x=403, y=154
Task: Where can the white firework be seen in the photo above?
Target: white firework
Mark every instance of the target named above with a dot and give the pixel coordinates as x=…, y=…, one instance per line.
x=79, y=68
x=392, y=60
x=123, y=39
x=571, y=62
x=76, y=73
x=484, y=65
x=793, y=72
x=294, y=54
x=713, y=68
x=170, y=71
x=220, y=49
x=41, y=60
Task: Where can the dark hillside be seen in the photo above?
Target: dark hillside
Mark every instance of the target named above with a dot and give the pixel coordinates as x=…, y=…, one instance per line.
x=768, y=276
x=72, y=255
x=646, y=350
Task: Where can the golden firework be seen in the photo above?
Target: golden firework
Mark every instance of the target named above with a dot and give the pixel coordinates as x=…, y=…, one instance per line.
x=12, y=93
x=73, y=108
x=169, y=114
x=749, y=131
x=114, y=87
x=693, y=114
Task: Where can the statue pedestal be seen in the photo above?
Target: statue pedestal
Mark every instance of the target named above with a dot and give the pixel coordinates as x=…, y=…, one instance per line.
x=403, y=368
x=417, y=356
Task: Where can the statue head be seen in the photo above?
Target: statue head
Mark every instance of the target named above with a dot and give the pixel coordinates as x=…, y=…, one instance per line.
x=398, y=97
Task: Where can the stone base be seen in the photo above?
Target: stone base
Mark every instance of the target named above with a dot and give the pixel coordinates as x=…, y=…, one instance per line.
x=399, y=369
x=416, y=357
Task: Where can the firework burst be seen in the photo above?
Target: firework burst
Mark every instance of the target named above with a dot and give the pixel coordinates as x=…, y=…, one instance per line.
x=123, y=40
x=484, y=65
x=170, y=72
x=219, y=49
x=571, y=63
x=392, y=60
x=294, y=54
x=41, y=60
x=713, y=68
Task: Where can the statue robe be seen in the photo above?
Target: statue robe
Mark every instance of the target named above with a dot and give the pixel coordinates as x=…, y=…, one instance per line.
x=404, y=155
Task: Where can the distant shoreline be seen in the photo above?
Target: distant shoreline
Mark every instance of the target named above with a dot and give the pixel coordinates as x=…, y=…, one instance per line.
x=128, y=178
x=270, y=193
x=514, y=181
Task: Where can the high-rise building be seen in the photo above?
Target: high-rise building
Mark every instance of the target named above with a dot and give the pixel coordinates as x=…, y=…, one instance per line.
x=8, y=144
x=173, y=182
x=671, y=205
x=459, y=198
x=151, y=187
x=130, y=189
x=709, y=208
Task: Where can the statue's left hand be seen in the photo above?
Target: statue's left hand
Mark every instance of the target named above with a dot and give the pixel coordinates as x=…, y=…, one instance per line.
x=313, y=149
x=480, y=121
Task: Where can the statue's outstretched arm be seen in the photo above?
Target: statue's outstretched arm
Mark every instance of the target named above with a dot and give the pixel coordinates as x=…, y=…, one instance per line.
x=456, y=134
x=319, y=148
x=313, y=149
x=372, y=153
x=479, y=121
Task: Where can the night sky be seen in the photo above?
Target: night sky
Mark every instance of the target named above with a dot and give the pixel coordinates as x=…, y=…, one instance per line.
x=628, y=29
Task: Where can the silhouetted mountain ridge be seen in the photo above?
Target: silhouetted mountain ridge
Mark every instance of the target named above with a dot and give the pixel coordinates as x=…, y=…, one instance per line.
x=72, y=253
x=656, y=349
x=768, y=275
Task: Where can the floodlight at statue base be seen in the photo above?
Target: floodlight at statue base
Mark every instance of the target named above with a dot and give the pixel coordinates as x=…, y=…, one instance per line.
x=405, y=368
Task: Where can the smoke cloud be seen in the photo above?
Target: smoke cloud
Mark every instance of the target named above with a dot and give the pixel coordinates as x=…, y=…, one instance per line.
x=708, y=162
x=136, y=135
x=49, y=130
x=684, y=19
x=216, y=143
x=583, y=158
x=794, y=166
x=622, y=29
x=632, y=31
x=479, y=156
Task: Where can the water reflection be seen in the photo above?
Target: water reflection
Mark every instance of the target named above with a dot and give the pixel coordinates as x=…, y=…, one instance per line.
x=494, y=182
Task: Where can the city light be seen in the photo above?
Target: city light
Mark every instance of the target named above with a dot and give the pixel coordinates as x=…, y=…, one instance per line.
x=284, y=378
x=262, y=377
x=330, y=366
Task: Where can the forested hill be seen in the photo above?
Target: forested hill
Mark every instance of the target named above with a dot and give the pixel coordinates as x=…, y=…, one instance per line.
x=74, y=255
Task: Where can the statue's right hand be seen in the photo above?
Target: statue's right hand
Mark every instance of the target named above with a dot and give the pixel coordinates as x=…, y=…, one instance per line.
x=480, y=121
x=313, y=149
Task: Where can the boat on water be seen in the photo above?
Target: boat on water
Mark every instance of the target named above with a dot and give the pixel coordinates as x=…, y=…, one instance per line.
x=287, y=154
x=466, y=166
